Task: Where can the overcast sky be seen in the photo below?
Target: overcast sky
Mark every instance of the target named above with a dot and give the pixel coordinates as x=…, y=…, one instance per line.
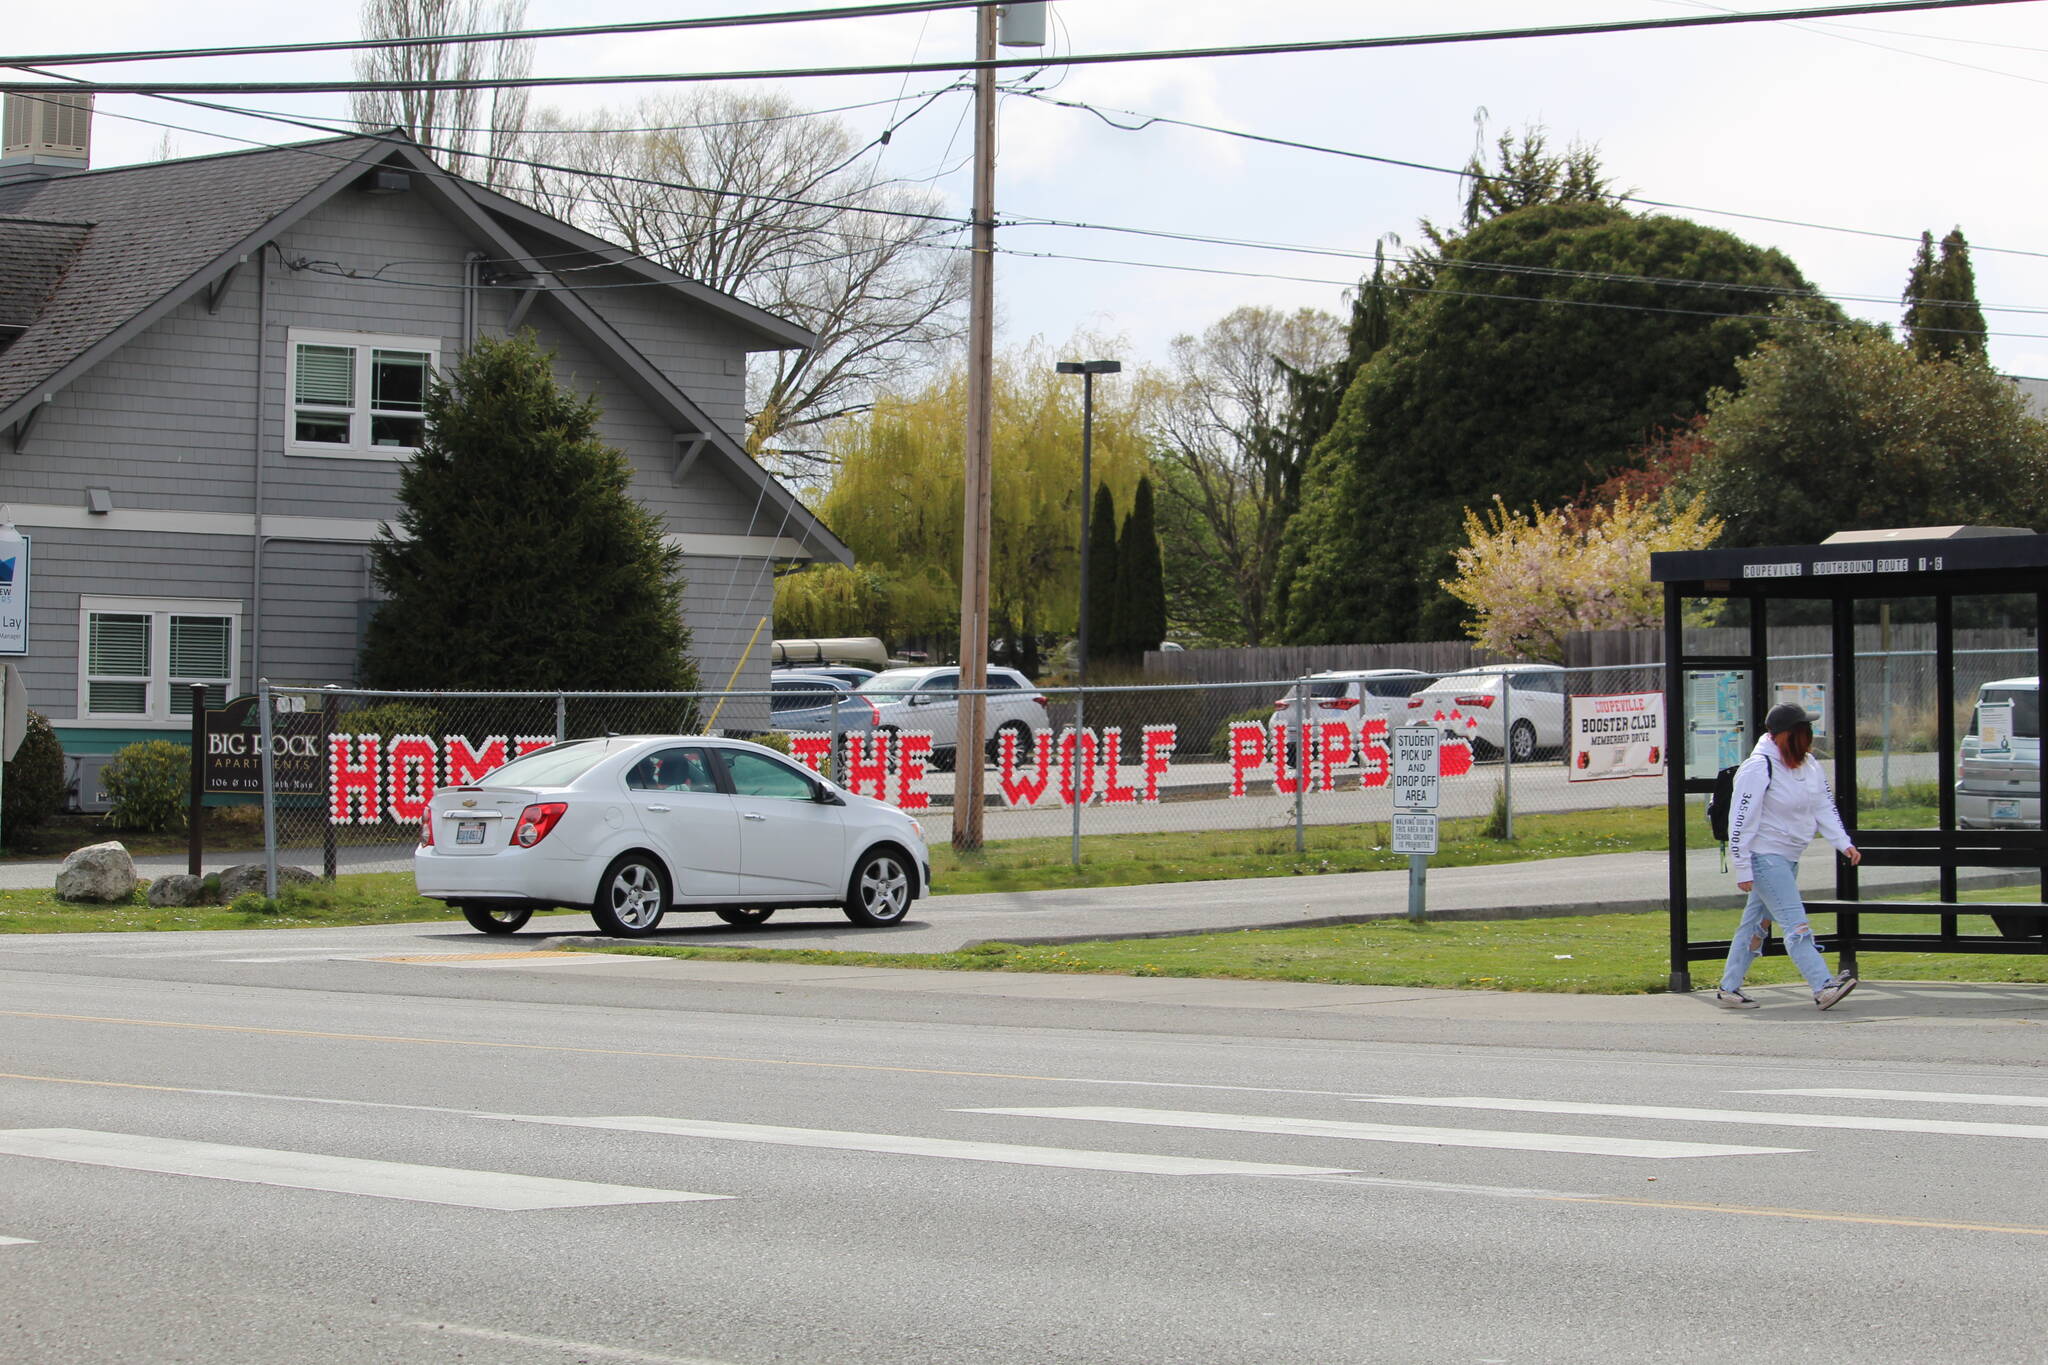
x=1887, y=125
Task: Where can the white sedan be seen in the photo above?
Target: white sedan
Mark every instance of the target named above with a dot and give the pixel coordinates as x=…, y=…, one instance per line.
x=631, y=828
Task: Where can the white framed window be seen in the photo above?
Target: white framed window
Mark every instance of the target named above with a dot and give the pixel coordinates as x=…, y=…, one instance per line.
x=357, y=395
x=139, y=656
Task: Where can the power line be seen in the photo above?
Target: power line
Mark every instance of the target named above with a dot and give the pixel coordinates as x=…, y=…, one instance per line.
x=1103, y=112
x=649, y=251
x=872, y=11
x=1439, y=291
x=1035, y=63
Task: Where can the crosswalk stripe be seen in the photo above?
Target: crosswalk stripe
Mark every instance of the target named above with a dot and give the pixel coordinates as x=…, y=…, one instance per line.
x=1132, y=1163
x=1387, y=1132
x=1762, y=1117
x=333, y=1174
x=1908, y=1096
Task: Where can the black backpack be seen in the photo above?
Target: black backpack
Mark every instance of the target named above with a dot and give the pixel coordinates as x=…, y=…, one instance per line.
x=1723, y=797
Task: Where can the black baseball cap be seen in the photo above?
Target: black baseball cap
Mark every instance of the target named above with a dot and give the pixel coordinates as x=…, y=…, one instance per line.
x=1786, y=716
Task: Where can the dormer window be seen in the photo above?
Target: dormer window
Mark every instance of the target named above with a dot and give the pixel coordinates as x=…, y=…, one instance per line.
x=357, y=395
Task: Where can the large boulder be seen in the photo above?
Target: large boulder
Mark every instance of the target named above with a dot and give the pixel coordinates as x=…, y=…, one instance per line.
x=243, y=878
x=177, y=890
x=98, y=872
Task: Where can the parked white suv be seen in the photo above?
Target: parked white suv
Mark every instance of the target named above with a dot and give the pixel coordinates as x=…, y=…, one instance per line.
x=927, y=699
x=2000, y=787
x=1473, y=705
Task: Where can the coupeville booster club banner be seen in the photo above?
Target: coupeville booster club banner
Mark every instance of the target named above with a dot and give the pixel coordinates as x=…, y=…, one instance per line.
x=1617, y=735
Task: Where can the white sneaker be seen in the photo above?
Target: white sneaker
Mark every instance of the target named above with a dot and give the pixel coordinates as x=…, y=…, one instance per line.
x=1736, y=1000
x=1829, y=995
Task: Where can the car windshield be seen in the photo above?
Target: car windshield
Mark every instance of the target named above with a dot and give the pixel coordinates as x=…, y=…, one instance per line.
x=555, y=766
x=2026, y=709
x=890, y=685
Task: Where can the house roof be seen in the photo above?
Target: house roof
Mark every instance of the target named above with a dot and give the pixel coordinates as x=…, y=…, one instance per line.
x=114, y=250
x=40, y=252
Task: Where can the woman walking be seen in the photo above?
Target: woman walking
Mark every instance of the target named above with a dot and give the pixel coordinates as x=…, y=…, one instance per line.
x=1780, y=802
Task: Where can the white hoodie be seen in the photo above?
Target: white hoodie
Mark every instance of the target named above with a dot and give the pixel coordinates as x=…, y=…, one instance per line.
x=1778, y=809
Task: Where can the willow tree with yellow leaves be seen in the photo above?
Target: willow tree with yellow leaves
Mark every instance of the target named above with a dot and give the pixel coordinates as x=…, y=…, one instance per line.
x=895, y=499
x=1532, y=578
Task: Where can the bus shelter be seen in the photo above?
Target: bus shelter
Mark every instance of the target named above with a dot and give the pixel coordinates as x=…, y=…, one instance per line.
x=1719, y=610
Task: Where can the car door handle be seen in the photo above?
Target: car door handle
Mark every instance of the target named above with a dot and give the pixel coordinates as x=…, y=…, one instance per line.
x=660, y=810
x=752, y=815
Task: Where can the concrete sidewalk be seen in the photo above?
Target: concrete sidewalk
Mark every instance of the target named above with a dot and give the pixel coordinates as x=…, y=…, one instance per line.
x=1876, y=1003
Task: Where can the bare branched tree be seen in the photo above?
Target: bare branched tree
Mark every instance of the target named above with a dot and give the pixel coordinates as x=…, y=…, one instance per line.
x=1231, y=465
x=758, y=200
x=466, y=129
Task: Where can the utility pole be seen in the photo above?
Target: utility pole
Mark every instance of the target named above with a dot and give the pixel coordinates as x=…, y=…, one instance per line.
x=974, y=540
x=1024, y=26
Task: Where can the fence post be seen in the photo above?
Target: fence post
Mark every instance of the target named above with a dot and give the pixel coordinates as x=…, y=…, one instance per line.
x=561, y=717
x=1073, y=777
x=330, y=711
x=264, y=702
x=838, y=728
x=1507, y=766
x=195, y=817
x=1301, y=760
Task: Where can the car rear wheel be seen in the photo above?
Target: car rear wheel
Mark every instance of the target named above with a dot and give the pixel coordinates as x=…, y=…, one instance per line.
x=632, y=898
x=1522, y=741
x=1026, y=752
x=734, y=916
x=880, y=890
x=487, y=919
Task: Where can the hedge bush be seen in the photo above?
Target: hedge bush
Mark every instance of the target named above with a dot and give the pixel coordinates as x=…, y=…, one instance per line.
x=149, y=785
x=34, y=779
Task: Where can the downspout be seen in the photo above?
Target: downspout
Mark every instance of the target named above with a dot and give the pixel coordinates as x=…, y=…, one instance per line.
x=471, y=276
x=262, y=411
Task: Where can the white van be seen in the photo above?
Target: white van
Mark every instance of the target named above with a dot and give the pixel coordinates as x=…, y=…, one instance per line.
x=2000, y=788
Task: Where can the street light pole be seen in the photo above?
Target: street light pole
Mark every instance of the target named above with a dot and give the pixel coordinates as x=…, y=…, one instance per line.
x=1087, y=369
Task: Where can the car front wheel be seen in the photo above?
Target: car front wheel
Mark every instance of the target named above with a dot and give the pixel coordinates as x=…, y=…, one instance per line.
x=880, y=890
x=489, y=920
x=632, y=898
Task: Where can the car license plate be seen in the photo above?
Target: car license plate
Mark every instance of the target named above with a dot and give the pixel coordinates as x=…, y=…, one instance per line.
x=2005, y=810
x=469, y=832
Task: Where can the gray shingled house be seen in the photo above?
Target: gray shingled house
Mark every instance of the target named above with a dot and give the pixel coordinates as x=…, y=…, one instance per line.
x=211, y=372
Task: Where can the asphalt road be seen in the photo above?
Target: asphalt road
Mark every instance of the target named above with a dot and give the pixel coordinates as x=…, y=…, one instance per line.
x=407, y=1145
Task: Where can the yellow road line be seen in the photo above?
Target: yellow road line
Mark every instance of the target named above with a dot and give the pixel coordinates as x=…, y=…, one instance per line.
x=1808, y=1215
x=476, y=957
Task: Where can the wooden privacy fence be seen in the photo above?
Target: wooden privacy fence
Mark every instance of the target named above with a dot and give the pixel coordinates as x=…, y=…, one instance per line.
x=1583, y=649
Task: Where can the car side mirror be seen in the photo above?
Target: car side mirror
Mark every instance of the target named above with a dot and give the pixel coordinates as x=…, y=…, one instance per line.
x=920, y=699
x=825, y=796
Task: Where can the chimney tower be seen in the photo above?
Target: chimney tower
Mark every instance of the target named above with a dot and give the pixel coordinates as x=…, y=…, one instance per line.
x=45, y=135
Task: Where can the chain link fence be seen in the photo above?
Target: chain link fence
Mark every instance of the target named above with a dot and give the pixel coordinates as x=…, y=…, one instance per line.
x=1155, y=768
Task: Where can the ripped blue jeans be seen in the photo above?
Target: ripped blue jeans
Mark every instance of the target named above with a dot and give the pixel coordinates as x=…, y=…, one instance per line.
x=1774, y=896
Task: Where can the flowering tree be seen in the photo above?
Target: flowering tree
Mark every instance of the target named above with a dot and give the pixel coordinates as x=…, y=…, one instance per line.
x=1533, y=578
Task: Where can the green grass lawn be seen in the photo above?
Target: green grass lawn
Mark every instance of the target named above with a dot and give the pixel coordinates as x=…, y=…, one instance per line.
x=363, y=898
x=1590, y=954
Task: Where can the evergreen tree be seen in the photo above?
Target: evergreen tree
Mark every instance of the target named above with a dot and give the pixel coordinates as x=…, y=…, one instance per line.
x=1962, y=316
x=1141, y=599
x=1943, y=320
x=521, y=559
x=1493, y=383
x=1923, y=285
x=1105, y=578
